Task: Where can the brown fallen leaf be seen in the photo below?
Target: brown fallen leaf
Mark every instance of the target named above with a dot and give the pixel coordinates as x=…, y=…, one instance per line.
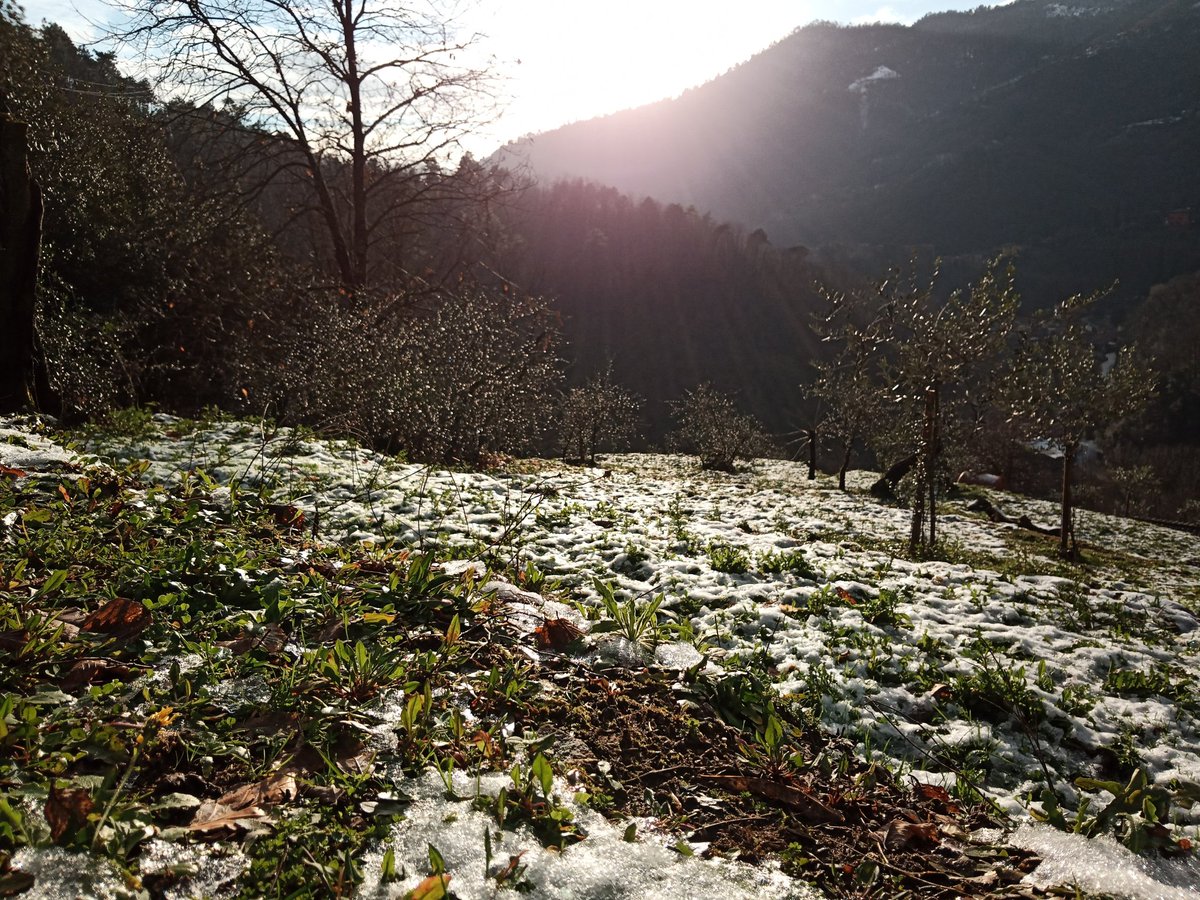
x=14, y=639
x=213, y=816
x=11, y=472
x=432, y=888
x=270, y=638
x=271, y=792
x=799, y=800
x=118, y=618
x=901, y=835
x=67, y=810
x=556, y=634
x=287, y=516
x=938, y=795
x=90, y=671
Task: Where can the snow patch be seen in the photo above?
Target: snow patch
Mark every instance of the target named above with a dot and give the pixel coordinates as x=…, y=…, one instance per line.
x=883, y=73
x=1103, y=866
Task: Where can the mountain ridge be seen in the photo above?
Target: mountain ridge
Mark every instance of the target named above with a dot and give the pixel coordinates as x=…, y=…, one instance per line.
x=1065, y=129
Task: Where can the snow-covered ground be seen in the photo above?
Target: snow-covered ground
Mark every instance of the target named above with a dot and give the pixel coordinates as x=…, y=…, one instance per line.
x=992, y=672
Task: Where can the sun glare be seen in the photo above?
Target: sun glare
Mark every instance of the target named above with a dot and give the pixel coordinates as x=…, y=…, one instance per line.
x=578, y=61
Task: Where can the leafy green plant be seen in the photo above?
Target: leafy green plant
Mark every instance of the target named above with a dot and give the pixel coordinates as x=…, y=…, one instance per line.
x=728, y=558
x=531, y=800
x=1137, y=816
x=882, y=609
x=778, y=562
x=997, y=691
x=635, y=622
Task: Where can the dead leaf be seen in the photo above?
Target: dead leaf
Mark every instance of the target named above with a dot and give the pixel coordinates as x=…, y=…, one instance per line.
x=90, y=671
x=271, y=792
x=213, y=816
x=67, y=810
x=15, y=882
x=508, y=871
x=901, y=835
x=556, y=634
x=432, y=888
x=799, y=800
x=362, y=763
x=118, y=618
x=287, y=516
x=12, y=473
x=938, y=795
x=270, y=638
x=14, y=639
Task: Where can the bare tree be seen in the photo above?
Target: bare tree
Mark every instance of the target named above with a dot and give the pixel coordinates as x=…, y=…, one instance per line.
x=383, y=90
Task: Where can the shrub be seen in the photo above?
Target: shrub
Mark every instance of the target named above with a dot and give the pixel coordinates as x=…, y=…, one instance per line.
x=598, y=416
x=452, y=383
x=711, y=427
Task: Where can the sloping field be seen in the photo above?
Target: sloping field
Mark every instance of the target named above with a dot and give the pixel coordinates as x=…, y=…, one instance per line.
x=625, y=681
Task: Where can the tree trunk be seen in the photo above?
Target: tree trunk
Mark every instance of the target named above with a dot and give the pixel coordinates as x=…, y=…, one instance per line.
x=22, y=372
x=926, y=474
x=933, y=422
x=844, y=466
x=886, y=485
x=811, y=434
x=1065, y=549
x=358, y=155
x=917, y=525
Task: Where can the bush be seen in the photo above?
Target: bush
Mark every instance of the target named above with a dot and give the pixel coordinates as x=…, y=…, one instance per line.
x=449, y=384
x=598, y=416
x=711, y=427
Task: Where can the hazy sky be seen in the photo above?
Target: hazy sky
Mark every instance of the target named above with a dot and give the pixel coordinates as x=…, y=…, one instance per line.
x=584, y=59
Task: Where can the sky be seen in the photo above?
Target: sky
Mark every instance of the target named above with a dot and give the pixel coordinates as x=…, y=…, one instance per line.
x=565, y=60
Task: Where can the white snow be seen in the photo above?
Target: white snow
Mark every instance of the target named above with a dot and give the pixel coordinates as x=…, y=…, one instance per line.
x=882, y=73
x=1103, y=866
x=897, y=644
x=604, y=866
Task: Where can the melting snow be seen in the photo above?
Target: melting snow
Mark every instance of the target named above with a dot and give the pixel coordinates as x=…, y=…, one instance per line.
x=1103, y=866
x=647, y=523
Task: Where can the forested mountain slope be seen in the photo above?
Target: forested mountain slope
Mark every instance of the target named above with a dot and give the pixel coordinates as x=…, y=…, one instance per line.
x=1068, y=129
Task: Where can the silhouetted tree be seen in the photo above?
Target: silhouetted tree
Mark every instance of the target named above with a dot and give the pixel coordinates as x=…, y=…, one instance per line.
x=934, y=354
x=379, y=92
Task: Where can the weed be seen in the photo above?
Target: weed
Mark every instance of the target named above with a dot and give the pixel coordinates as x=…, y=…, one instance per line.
x=1135, y=816
x=882, y=609
x=635, y=622
x=795, y=562
x=728, y=558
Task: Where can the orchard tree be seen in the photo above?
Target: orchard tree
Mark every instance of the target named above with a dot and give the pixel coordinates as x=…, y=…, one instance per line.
x=1064, y=389
x=383, y=90
x=710, y=426
x=936, y=355
x=850, y=400
x=598, y=415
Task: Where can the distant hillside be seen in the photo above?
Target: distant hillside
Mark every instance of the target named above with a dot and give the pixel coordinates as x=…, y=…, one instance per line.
x=1069, y=129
